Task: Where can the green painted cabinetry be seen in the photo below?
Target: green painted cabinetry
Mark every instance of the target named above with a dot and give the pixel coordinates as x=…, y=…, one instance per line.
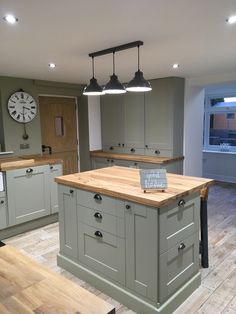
x=28, y=194
x=3, y=211
x=164, y=114
x=145, y=257
x=68, y=227
x=54, y=171
x=149, y=124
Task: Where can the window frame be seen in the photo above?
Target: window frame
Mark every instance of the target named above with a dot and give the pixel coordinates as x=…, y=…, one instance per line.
x=208, y=110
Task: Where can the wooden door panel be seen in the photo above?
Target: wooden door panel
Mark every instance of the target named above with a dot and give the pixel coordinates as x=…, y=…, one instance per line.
x=59, y=129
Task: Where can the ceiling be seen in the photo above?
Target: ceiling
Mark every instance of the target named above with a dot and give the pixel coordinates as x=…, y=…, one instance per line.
x=192, y=33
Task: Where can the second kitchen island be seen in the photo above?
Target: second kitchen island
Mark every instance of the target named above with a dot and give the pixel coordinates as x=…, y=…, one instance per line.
x=140, y=248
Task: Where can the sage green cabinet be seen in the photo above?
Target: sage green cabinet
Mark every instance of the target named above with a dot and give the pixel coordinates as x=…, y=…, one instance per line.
x=112, y=107
x=3, y=212
x=134, y=122
x=28, y=194
x=54, y=171
x=68, y=228
x=102, y=251
x=141, y=226
x=149, y=124
x=164, y=115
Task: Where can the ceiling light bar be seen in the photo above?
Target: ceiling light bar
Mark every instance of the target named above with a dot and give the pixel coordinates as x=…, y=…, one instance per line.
x=116, y=48
x=137, y=84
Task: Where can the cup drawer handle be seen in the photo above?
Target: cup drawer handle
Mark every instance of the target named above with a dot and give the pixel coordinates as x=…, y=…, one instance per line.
x=97, y=216
x=30, y=170
x=98, y=234
x=97, y=197
x=182, y=246
x=181, y=203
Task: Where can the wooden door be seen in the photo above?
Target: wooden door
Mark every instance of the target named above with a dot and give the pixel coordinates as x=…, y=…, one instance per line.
x=59, y=130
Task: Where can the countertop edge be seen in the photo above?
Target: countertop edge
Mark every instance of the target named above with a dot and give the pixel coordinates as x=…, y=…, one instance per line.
x=140, y=158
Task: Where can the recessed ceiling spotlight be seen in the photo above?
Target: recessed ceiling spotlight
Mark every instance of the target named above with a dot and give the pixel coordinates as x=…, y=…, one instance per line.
x=11, y=19
x=231, y=19
x=52, y=65
x=175, y=66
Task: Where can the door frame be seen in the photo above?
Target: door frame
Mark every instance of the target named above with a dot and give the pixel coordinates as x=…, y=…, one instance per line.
x=77, y=119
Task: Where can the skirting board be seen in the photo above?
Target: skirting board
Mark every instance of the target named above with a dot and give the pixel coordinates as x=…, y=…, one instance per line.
x=126, y=297
x=30, y=225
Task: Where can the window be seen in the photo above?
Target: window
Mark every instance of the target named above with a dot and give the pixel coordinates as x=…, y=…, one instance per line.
x=220, y=123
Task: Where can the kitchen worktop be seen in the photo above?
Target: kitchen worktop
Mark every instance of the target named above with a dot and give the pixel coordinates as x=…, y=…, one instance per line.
x=132, y=157
x=12, y=163
x=28, y=287
x=124, y=183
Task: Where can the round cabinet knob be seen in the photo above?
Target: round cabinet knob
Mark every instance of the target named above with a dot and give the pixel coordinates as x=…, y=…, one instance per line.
x=182, y=246
x=127, y=206
x=118, y=144
x=123, y=145
x=97, y=215
x=97, y=197
x=132, y=150
x=146, y=146
x=181, y=202
x=71, y=191
x=112, y=160
x=98, y=234
x=157, y=152
x=108, y=160
x=111, y=148
x=30, y=170
x=51, y=167
x=2, y=202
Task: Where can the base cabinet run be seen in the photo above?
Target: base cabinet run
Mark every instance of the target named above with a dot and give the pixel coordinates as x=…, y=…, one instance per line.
x=145, y=257
x=31, y=193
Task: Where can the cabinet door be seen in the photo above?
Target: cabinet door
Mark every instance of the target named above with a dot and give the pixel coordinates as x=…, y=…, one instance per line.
x=98, y=163
x=54, y=171
x=112, y=120
x=102, y=251
x=159, y=116
x=68, y=221
x=141, y=250
x=28, y=194
x=3, y=213
x=134, y=120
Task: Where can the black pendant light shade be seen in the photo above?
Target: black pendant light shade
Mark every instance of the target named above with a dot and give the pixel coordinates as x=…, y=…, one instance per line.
x=93, y=89
x=138, y=83
x=114, y=86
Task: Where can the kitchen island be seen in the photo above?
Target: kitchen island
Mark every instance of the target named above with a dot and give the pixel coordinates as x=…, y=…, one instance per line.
x=140, y=248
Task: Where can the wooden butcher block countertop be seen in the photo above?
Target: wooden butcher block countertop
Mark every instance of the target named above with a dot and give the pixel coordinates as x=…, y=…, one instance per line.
x=12, y=163
x=132, y=157
x=28, y=287
x=124, y=183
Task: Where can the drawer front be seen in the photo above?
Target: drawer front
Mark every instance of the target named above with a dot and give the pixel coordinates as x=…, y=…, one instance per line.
x=3, y=213
x=178, y=265
x=101, y=221
x=104, y=253
x=158, y=152
x=101, y=203
x=178, y=221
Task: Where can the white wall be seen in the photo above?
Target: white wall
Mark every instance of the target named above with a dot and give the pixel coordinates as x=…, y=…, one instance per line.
x=193, y=128
x=193, y=117
x=94, y=116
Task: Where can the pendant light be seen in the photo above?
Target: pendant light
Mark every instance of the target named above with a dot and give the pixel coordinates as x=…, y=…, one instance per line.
x=114, y=86
x=93, y=89
x=138, y=83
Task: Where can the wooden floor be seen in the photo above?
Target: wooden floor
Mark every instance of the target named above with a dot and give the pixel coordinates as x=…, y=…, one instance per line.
x=217, y=293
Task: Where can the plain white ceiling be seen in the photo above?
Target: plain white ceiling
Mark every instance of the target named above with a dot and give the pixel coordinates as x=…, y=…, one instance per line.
x=190, y=32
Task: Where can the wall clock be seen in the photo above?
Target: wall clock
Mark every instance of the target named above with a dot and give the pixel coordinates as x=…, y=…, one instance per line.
x=22, y=107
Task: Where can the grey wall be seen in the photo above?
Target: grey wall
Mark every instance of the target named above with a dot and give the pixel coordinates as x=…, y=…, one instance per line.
x=11, y=132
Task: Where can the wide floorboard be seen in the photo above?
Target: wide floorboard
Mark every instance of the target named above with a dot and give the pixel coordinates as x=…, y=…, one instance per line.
x=217, y=293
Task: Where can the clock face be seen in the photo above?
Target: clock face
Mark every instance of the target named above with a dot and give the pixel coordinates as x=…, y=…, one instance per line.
x=22, y=107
